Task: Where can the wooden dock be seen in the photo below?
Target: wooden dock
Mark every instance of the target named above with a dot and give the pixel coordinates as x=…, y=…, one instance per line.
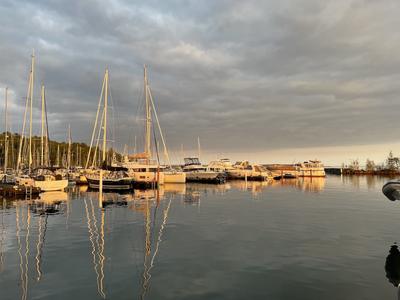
x=12, y=191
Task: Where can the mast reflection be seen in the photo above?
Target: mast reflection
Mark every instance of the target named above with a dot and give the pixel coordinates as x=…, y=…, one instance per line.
x=97, y=242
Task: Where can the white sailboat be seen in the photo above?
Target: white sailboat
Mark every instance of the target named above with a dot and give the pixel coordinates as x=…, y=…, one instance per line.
x=118, y=178
x=145, y=171
x=42, y=178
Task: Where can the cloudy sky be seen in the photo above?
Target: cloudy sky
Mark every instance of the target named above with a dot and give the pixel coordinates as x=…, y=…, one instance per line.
x=263, y=80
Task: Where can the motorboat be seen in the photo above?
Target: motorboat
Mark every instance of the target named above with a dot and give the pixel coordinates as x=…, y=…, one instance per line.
x=311, y=168
x=245, y=170
x=112, y=180
x=196, y=172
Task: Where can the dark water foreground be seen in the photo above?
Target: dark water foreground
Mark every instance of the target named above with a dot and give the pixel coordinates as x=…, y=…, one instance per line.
x=298, y=239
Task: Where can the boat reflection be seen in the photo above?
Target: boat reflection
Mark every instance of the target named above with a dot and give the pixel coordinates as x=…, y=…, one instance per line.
x=392, y=267
x=312, y=184
x=255, y=187
x=306, y=184
x=50, y=203
x=25, y=214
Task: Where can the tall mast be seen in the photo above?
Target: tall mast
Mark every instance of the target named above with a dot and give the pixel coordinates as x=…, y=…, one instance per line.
x=134, y=148
x=104, y=137
x=58, y=155
x=105, y=116
x=5, y=133
x=31, y=108
x=43, y=129
x=147, y=149
x=94, y=129
x=22, y=136
x=69, y=147
x=198, y=146
x=159, y=126
x=77, y=156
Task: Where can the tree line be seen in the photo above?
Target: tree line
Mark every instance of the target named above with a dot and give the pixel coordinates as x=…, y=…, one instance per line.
x=391, y=165
x=58, y=152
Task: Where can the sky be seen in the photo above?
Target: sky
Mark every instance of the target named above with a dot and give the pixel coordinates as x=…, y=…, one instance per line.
x=266, y=81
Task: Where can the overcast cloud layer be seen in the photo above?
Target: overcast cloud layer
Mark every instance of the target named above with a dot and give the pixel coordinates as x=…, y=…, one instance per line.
x=243, y=75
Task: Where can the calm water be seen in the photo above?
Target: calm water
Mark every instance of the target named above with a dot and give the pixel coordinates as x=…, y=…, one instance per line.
x=298, y=239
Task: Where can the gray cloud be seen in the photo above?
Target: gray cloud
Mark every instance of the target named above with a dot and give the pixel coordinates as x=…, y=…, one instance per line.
x=255, y=75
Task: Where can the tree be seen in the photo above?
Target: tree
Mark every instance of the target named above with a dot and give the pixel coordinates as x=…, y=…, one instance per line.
x=354, y=165
x=392, y=163
x=370, y=165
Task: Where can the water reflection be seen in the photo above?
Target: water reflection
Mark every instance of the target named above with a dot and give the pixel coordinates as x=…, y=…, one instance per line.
x=97, y=241
x=3, y=234
x=132, y=242
x=255, y=187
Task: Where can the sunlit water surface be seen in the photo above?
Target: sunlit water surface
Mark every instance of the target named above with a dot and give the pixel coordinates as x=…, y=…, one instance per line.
x=294, y=239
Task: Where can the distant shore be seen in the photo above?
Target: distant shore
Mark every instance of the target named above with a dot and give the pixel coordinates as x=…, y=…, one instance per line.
x=346, y=171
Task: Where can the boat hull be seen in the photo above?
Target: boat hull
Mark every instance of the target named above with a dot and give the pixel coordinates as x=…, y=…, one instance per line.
x=207, y=177
x=110, y=185
x=391, y=190
x=51, y=185
x=174, y=177
x=315, y=172
x=248, y=174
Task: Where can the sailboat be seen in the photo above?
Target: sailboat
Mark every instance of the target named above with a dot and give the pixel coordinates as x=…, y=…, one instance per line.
x=145, y=171
x=44, y=177
x=109, y=178
x=3, y=174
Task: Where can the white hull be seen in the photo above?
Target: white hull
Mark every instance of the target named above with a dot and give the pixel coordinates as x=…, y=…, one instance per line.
x=312, y=172
x=203, y=176
x=243, y=174
x=174, y=177
x=51, y=185
x=147, y=177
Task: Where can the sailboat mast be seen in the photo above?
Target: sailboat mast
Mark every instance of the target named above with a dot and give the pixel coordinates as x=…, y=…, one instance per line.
x=5, y=133
x=22, y=136
x=69, y=147
x=148, y=117
x=198, y=146
x=105, y=116
x=58, y=155
x=77, y=156
x=43, y=129
x=31, y=108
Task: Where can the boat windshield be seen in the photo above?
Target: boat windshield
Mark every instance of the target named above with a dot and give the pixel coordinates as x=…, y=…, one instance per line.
x=192, y=161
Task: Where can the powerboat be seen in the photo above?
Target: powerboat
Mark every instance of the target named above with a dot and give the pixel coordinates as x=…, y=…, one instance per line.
x=245, y=170
x=196, y=172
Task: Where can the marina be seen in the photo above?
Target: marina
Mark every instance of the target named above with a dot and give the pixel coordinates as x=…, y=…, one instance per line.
x=199, y=150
